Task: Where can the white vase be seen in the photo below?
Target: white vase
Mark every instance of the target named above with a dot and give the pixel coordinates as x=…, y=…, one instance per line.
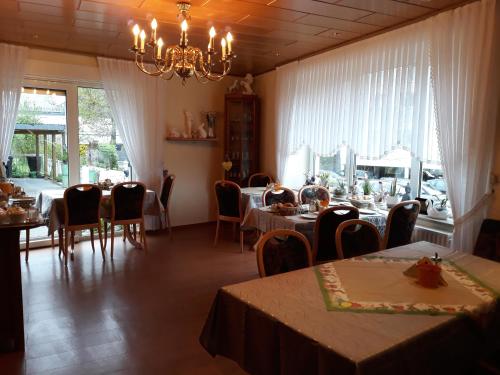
x=435, y=213
x=392, y=200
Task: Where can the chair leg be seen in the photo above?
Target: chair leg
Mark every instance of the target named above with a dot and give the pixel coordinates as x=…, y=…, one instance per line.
x=27, y=245
x=66, y=243
x=125, y=228
x=143, y=236
x=92, y=239
x=242, y=240
x=52, y=241
x=105, y=234
x=217, y=232
x=167, y=219
x=135, y=231
x=99, y=232
x=72, y=240
x=112, y=239
x=60, y=234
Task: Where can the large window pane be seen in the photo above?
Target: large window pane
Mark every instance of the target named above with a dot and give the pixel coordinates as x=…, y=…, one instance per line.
x=102, y=155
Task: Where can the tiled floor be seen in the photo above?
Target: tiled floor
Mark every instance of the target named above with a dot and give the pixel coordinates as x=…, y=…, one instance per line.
x=139, y=313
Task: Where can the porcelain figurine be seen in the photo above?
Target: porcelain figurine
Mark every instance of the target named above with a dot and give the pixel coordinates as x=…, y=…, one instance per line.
x=246, y=83
x=174, y=133
x=188, y=125
x=202, y=133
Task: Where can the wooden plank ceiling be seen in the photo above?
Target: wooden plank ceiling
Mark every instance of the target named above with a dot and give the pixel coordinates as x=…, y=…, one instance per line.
x=267, y=32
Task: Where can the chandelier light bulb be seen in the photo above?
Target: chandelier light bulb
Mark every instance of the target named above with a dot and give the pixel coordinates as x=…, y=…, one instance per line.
x=136, y=31
x=229, y=38
x=159, y=45
x=223, y=45
x=143, y=39
x=184, y=26
x=212, y=32
x=154, y=24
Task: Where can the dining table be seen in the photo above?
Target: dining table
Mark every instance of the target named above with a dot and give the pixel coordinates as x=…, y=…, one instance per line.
x=50, y=203
x=265, y=219
x=360, y=316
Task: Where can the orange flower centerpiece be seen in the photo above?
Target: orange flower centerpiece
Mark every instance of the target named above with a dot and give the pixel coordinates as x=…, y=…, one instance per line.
x=427, y=272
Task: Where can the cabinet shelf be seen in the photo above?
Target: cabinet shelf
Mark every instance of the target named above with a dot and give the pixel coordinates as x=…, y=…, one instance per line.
x=180, y=139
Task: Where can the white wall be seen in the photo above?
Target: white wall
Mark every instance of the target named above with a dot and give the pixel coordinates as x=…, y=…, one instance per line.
x=196, y=165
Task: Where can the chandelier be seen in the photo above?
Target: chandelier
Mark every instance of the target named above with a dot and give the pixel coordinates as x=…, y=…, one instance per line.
x=181, y=59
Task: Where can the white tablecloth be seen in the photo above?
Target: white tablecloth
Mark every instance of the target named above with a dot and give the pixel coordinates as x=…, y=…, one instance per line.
x=51, y=206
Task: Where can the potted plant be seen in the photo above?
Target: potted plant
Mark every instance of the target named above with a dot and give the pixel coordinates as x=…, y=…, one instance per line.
x=367, y=189
x=324, y=178
x=340, y=191
x=393, y=198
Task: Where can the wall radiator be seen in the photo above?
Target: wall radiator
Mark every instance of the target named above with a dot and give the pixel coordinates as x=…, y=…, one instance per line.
x=430, y=235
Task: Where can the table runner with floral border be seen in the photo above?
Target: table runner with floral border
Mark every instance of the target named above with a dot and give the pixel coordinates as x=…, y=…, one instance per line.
x=336, y=298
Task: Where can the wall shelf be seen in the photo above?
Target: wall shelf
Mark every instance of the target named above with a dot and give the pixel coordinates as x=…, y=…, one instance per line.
x=180, y=139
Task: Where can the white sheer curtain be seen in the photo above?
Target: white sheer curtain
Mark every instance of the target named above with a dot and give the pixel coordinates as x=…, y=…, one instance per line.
x=373, y=96
x=137, y=104
x=466, y=94
x=12, y=63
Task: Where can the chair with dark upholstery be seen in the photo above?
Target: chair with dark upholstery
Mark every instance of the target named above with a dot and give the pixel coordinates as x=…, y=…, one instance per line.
x=400, y=224
x=259, y=180
x=228, y=197
x=166, y=191
x=82, y=205
x=127, y=203
x=312, y=192
x=282, y=250
x=488, y=240
x=356, y=237
x=324, y=247
x=283, y=195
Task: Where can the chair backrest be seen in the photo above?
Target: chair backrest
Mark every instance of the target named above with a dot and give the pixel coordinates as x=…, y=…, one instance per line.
x=283, y=195
x=488, y=240
x=400, y=223
x=282, y=250
x=357, y=237
x=82, y=205
x=311, y=192
x=324, y=247
x=166, y=189
x=127, y=200
x=228, y=197
x=259, y=180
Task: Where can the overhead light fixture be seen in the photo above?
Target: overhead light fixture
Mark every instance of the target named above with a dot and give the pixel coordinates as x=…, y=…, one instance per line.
x=181, y=59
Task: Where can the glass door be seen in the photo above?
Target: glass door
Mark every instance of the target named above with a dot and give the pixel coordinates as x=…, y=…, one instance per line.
x=102, y=154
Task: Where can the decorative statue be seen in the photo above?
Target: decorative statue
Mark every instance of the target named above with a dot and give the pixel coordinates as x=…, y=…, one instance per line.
x=211, y=124
x=247, y=84
x=202, y=133
x=234, y=87
x=188, y=125
x=407, y=194
x=174, y=133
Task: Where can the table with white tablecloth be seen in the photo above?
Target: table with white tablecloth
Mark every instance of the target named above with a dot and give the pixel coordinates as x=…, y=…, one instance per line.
x=264, y=220
x=50, y=203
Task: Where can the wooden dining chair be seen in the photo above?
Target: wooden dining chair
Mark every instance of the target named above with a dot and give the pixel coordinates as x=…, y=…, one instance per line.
x=488, y=241
x=312, y=192
x=259, y=180
x=324, y=246
x=166, y=192
x=282, y=250
x=127, y=208
x=400, y=224
x=283, y=195
x=229, y=208
x=357, y=237
x=82, y=205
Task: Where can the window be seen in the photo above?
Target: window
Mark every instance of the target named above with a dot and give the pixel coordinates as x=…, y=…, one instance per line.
x=102, y=154
x=38, y=154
